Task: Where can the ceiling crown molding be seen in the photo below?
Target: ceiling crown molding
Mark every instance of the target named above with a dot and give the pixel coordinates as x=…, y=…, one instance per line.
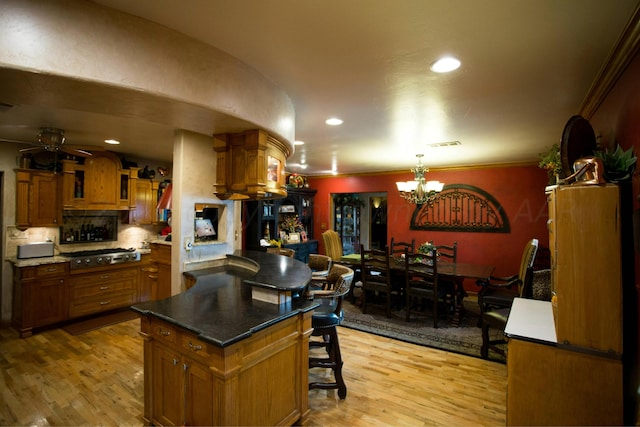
x=623, y=52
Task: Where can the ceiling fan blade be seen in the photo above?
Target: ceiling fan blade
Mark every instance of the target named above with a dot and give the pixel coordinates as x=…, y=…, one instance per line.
x=32, y=150
x=15, y=141
x=75, y=151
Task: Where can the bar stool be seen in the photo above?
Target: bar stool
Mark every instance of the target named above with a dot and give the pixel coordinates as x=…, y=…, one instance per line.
x=325, y=320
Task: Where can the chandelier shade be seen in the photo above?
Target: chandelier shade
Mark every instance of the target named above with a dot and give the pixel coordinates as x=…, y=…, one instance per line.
x=419, y=191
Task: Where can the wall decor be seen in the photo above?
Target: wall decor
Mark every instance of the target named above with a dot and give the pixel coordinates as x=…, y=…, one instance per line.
x=461, y=207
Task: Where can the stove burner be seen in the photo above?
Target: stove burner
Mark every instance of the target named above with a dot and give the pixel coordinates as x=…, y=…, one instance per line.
x=101, y=257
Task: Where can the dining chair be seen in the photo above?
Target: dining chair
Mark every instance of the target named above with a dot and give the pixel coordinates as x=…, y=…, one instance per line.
x=332, y=244
x=376, y=278
x=421, y=285
x=496, y=297
x=324, y=322
x=449, y=286
x=399, y=247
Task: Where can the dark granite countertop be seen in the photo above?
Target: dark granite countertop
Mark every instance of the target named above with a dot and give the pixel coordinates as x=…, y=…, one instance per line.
x=219, y=307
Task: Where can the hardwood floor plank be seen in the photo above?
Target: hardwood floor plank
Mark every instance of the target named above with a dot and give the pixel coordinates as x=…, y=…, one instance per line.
x=96, y=378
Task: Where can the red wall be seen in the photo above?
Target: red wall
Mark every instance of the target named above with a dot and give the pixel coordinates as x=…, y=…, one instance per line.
x=519, y=189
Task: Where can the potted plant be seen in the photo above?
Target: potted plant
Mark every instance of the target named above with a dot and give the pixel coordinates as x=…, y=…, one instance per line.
x=618, y=164
x=550, y=160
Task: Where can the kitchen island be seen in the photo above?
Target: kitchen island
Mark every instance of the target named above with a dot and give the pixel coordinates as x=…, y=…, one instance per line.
x=214, y=355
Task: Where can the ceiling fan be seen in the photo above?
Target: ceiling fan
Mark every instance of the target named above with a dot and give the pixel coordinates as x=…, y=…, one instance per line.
x=50, y=140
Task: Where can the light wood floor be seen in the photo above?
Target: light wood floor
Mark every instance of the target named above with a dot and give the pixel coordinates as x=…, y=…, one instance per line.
x=96, y=378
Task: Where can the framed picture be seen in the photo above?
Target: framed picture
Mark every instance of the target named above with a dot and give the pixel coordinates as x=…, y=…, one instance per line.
x=293, y=238
x=303, y=236
x=287, y=209
x=283, y=235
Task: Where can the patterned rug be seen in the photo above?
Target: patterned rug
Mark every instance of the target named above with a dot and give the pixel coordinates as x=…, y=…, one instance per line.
x=465, y=339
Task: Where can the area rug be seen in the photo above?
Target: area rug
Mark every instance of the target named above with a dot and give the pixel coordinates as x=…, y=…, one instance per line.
x=97, y=322
x=465, y=339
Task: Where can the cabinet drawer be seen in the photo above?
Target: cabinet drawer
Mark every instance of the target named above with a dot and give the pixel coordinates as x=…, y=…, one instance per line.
x=193, y=346
x=92, y=290
x=163, y=332
x=93, y=279
x=44, y=270
x=105, y=302
x=161, y=253
x=52, y=269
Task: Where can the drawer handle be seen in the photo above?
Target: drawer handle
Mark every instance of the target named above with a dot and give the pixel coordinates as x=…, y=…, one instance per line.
x=105, y=302
x=164, y=333
x=52, y=269
x=105, y=276
x=196, y=347
x=104, y=288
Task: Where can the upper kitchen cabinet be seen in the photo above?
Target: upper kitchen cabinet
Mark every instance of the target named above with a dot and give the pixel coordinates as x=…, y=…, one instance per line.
x=98, y=183
x=37, y=199
x=250, y=166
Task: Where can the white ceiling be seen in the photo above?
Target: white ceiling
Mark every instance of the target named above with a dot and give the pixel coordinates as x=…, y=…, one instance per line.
x=526, y=69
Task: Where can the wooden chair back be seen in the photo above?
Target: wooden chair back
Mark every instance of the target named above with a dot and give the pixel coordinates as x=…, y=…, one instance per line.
x=399, y=247
x=376, y=276
x=421, y=283
x=448, y=252
x=332, y=244
x=526, y=268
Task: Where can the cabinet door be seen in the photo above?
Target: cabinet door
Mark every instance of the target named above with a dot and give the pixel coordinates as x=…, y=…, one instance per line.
x=48, y=301
x=23, y=179
x=101, y=184
x=164, y=281
x=145, y=206
x=44, y=207
x=167, y=386
x=199, y=408
x=587, y=279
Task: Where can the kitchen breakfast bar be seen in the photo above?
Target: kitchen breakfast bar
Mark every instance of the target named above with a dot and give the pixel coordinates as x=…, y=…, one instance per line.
x=221, y=354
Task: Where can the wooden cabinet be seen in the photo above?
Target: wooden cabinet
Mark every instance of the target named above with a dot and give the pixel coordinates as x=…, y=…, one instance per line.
x=182, y=387
x=264, y=219
x=584, y=238
x=161, y=278
x=576, y=380
x=98, y=183
x=260, y=380
x=95, y=292
x=346, y=222
x=37, y=199
x=147, y=278
x=39, y=296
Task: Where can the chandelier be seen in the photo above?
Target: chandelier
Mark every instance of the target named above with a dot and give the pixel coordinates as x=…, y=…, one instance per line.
x=419, y=191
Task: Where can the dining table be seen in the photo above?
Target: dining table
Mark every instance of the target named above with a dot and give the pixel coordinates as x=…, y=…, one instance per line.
x=455, y=271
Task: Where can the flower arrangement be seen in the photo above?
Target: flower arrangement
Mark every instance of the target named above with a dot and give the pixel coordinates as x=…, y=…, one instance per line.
x=426, y=248
x=550, y=160
x=291, y=223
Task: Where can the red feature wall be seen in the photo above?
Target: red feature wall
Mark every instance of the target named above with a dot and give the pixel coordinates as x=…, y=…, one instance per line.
x=518, y=189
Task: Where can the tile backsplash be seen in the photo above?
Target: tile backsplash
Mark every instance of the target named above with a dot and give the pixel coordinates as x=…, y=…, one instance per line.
x=129, y=236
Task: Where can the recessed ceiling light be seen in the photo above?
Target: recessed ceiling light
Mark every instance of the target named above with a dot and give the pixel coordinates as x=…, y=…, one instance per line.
x=333, y=121
x=298, y=142
x=112, y=141
x=445, y=65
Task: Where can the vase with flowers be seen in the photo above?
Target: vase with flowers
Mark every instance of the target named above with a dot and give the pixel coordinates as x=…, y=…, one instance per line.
x=550, y=160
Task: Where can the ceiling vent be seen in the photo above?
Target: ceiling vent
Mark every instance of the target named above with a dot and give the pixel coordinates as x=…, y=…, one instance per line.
x=444, y=144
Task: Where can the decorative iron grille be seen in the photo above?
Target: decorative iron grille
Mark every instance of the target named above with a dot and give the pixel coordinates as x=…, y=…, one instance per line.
x=461, y=207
